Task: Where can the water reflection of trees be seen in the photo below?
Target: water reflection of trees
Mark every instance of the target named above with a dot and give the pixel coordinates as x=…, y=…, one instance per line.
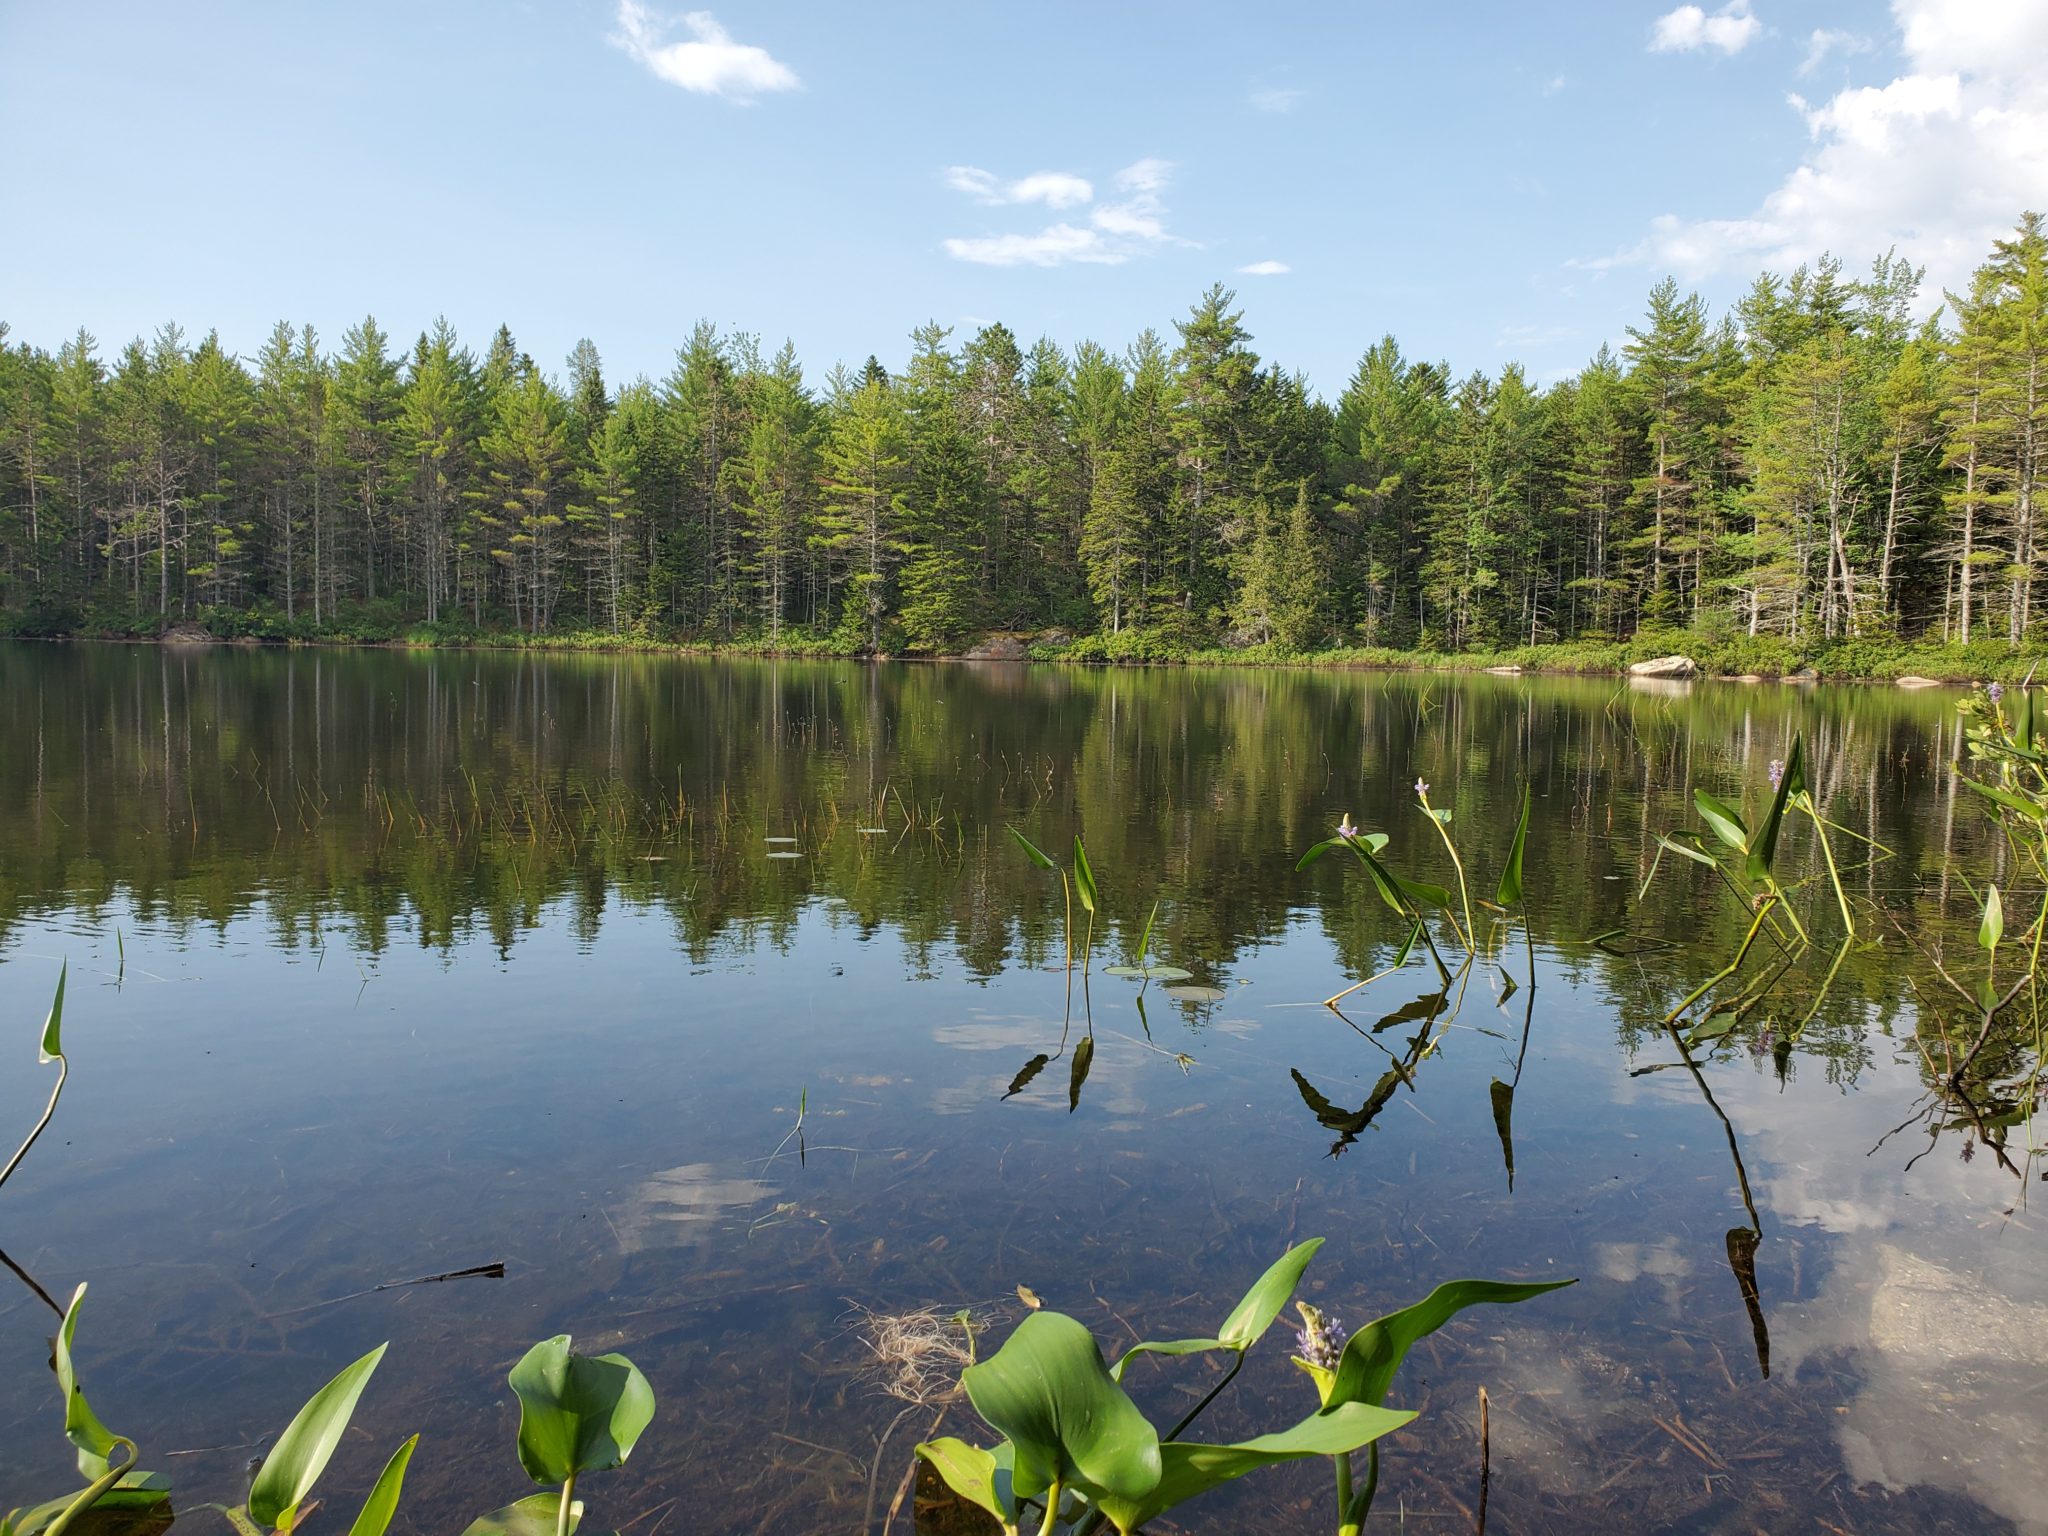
x=444, y=796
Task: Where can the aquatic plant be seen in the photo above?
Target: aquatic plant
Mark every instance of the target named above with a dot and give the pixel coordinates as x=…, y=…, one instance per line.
x=51, y=1048
x=1077, y=1452
x=577, y=1414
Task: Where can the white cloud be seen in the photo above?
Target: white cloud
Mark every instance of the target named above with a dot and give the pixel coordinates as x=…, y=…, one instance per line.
x=1730, y=29
x=1056, y=189
x=1276, y=99
x=711, y=64
x=1267, y=268
x=1825, y=41
x=1940, y=161
x=1555, y=84
x=1114, y=233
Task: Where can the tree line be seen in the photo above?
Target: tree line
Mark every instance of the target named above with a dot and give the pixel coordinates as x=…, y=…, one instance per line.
x=1815, y=463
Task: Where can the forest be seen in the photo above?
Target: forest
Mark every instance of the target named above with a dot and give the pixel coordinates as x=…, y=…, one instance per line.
x=1816, y=465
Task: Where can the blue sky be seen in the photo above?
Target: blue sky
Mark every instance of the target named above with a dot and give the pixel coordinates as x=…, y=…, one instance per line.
x=1487, y=181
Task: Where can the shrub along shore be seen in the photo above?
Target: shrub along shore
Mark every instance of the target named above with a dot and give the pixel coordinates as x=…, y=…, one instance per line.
x=1875, y=660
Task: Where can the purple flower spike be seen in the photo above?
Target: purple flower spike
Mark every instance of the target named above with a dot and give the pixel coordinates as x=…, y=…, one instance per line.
x=1995, y=691
x=1421, y=787
x=1344, y=828
x=1320, y=1339
x=1777, y=773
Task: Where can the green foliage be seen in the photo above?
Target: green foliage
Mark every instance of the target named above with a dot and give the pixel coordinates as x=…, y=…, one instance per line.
x=301, y=1453
x=577, y=1413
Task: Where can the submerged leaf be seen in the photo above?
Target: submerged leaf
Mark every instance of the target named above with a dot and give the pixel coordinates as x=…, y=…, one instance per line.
x=981, y=1477
x=535, y=1515
x=577, y=1413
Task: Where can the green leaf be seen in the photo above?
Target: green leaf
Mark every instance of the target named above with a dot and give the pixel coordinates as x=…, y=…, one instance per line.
x=300, y=1455
x=1251, y=1317
x=534, y=1515
x=1145, y=938
x=1164, y=1347
x=81, y=1425
x=1077, y=1072
x=1032, y=850
x=1374, y=1353
x=1720, y=816
x=1763, y=849
x=382, y=1503
x=1084, y=877
x=980, y=1477
x=1510, y=892
x=53, y=1026
x=1149, y=972
x=577, y=1413
x=2010, y=801
x=1049, y=1393
x=1696, y=855
x=137, y=1505
x=1992, y=929
x=1422, y=893
x=1191, y=1469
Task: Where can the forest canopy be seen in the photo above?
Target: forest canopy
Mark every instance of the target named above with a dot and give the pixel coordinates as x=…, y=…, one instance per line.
x=1814, y=463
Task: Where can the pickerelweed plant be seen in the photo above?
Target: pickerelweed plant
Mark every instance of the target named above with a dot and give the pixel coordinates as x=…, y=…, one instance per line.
x=1747, y=861
x=577, y=1414
x=1078, y=1454
x=1415, y=901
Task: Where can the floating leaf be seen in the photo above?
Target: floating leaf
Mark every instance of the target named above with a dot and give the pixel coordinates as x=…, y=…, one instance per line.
x=1148, y=972
x=1510, y=892
x=577, y=1413
x=1374, y=1353
x=1084, y=877
x=300, y=1455
x=1196, y=994
x=382, y=1503
x=1048, y=1391
x=983, y=1478
x=535, y=1515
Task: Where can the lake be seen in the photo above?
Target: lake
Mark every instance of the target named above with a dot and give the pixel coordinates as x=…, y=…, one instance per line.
x=387, y=965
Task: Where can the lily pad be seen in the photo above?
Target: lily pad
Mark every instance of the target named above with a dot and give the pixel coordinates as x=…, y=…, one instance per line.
x=1196, y=994
x=778, y=839
x=785, y=854
x=1149, y=972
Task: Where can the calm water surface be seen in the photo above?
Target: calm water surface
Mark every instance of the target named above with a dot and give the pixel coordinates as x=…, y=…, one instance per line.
x=387, y=965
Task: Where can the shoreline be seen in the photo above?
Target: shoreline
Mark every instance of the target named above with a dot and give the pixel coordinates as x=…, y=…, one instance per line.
x=1896, y=664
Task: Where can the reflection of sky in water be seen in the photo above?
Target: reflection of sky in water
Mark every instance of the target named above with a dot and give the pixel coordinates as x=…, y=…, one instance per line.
x=258, y=1126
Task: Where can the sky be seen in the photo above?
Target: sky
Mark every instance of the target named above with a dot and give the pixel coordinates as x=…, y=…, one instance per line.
x=1488, y=181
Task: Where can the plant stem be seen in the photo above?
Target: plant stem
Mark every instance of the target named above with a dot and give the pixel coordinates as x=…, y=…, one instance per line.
x=63, y=1071
x=1193, y=1413
x=1345, y=1524
x=1052, y=1507
x=89, y=1495
x=1731, y=968
x=562, y=1514
x=1820, y=831
x=1464, y=898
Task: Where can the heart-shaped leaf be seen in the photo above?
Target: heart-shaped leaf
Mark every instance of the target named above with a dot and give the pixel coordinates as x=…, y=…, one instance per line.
x=1049, y=1393
x=1374, y=1353
x=1191, y=1469
x=382, y=1503
x=301, y=1453
x=534, y=1515
x=577, y=1413
x=980, y=1477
